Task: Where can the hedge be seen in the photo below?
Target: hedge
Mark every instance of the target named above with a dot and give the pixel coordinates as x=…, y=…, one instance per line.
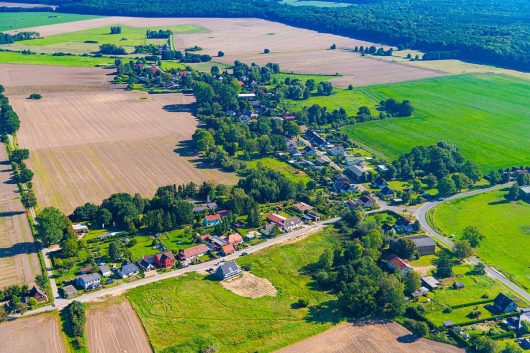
x=478, y=302
x=478, y=321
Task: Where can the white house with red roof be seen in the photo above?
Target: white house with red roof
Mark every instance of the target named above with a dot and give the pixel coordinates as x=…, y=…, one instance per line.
x=186, y=256
x=397, y=264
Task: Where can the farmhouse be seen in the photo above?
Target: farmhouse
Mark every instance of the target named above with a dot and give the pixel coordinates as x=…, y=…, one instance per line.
x=186, y=256
x=105, y=271
x=80, y=229
x=503, y=304
x=425, y=245
x=69, y=291
x=302, y=207
x=88, y=281
x=212, y=220
x=227, y=271
x=292, y=223
x=127, y=270
x=395, y=263
x=165, y=259
x=38, y=294
x=276, y=219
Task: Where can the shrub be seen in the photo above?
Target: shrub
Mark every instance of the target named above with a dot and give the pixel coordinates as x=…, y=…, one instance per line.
x=35, y=96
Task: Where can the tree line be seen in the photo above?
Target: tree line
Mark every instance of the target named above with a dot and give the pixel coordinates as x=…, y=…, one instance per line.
x=6, y=38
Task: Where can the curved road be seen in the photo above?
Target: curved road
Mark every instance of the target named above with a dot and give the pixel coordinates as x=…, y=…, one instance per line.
x=421, y=216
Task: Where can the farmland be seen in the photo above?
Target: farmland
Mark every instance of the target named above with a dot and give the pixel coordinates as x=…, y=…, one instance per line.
x=17, y=20
x=32, y=334
x=192, y=312
x=367, y=339
x=505, y=225
x=113, y=327
x=282, y=167
x=47, y=59
x=82, y=148
x=487, y=116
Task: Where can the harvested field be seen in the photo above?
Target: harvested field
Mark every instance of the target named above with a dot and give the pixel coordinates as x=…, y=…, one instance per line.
x=32, y=334
x=89, y=139
x=115, y=328
x=250, y=286
x=295, y=49
x=346, y=338
x=19, y=262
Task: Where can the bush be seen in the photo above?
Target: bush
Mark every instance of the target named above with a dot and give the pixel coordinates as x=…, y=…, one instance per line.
x=35, y=96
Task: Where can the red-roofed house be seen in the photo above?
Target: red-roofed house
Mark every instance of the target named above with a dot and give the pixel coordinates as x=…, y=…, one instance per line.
x=154, y=69
x=228, y=249
x=205, y=237
x=234, y=239
x=212, y=220
x=224, y=213
x=165, y=259
x=289, y=117
x=188, y=255
x=276, y=219
x=395, y=263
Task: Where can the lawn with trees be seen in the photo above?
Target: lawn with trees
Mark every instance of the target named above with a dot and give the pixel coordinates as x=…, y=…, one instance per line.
x=504, y=224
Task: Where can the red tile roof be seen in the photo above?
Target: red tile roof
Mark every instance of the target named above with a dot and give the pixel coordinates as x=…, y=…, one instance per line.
x=205, y=236
x=234, y=238
x=162, y=256
x=213, y=217
x=228, y=249
x=194, y=251
x=398, y=262
x=274, y=218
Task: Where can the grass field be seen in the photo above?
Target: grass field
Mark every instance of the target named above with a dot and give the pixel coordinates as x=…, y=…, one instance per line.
x=47, y=59
x=289, y=171
x=487, y=116
x=314, y=3
x=304, y=77
x=16, y=20
x=505, y=225
x=192, y=312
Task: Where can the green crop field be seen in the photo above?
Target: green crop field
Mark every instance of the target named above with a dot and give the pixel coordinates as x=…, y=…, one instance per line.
x=47, y=59
x=192, y=312
x=289, y=171
x=487, y=116
x=128, y=38
x=304, y=77
x=16, y=20
x=505, y=225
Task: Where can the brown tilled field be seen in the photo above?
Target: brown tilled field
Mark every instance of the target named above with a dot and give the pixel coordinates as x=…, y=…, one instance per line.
x=32, y=334
x=295, y=49
x=88, y=142
x=115, y=328
x=250, y=286
x=346, y=338
x=19, y=262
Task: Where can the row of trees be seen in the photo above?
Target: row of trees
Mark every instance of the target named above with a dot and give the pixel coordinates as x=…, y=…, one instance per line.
x=6, y=38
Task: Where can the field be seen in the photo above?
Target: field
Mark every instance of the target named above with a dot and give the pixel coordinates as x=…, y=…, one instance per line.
x=16, y=20
x=191, y=312
x=380, y=338
x=32, y=334
x=75, y=42
x=487, y=116
x=113, y=327
x=505, y=225
x=19, y=262
x=90, y=139
x=47, y=59
x=297, y=50
x=314, y=3
x=289, y=171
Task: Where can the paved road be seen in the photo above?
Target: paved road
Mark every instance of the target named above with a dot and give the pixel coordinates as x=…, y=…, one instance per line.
x=421, y=215
x=61, y=303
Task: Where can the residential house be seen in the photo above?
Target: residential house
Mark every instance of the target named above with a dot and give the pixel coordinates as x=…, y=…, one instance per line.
x=88, y=281
x=382, y=168
x=502, y=304
x=227, y=271
x=147, y=263
x=212, y=220
x=337, y=150
x=525, y=343
x=247, y=96
x=524, y=316
x=85, y=270
x=397, y=264
x=223, y=213
x=251, y=235
x=268, y=229
x=292, y=223
x=379, y=183
x=38, y=294
x=105, y=271
x=353, y=160
x=205, y=237
x=186, y=256
x=302, y=207
x=217, y=242
x=201, y=208
x=235, y=239
x=351, y=204
x=387, y=192
x=356, y=172
x=366, y=201
x=309, y=151
x=424, y=244
x=80, y=229
x=525, y=192
x=311, y=217
x=276, y=219
x=69, y=291
x=317, y=139
x=128, y=269
x=228, y=249
x=303, y=129
x=430, y=282
x=404, y=226
x=342, y=184
x=165, y=259
x=322, y=160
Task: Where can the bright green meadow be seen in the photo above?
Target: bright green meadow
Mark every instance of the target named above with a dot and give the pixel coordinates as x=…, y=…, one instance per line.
x=47, y=59
x=16, y=20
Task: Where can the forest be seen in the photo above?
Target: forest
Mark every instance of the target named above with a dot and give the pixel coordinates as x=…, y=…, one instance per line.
x=491, y=31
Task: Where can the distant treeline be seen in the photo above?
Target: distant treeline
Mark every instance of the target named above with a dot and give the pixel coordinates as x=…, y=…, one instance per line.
x=26, y=9
x=11, y=38
x=487, y=31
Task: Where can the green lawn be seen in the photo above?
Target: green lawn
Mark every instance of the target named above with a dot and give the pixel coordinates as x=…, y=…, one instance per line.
x=487, y=116
x=289, y=171
x=187, y=313
x=16, y=20
x=505, y=225
x=47, y=59
x=128, y=38
x=304, y=77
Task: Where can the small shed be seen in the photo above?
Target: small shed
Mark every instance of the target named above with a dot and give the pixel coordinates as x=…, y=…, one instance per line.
x=69, y=291
x=458, y=285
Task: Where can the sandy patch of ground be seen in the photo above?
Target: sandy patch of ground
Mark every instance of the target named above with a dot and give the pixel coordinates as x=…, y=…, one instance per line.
x=89, y=141
x=32, y=334
x=115, y=328
x=250, y=286
x=381, y=338
x=19, y=262
x=295, y=49
x=423, y=270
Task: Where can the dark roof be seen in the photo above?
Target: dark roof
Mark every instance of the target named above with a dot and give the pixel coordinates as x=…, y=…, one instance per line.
x=422, y=241
x=90, y=277
x=502, y=301
x=293, y=221
x=228, y=268
x=127, y=269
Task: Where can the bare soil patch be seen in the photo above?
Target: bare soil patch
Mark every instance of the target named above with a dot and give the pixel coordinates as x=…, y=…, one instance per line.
x=115, y=328
x=250, y=286
x=32, y=334
x=19, y=262
x=295, y=49
x=380, y=338
x=89, y=139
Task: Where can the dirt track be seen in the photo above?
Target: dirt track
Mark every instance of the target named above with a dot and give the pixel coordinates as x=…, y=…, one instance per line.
x=346, y=338
x=115, y=328
x=32, y=334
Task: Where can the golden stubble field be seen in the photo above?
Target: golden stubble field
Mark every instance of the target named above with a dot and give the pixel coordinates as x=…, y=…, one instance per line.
x=89, y=139
x=295, y=49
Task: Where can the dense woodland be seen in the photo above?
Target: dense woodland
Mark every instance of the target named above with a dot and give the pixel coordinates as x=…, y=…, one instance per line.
x=489, y=31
